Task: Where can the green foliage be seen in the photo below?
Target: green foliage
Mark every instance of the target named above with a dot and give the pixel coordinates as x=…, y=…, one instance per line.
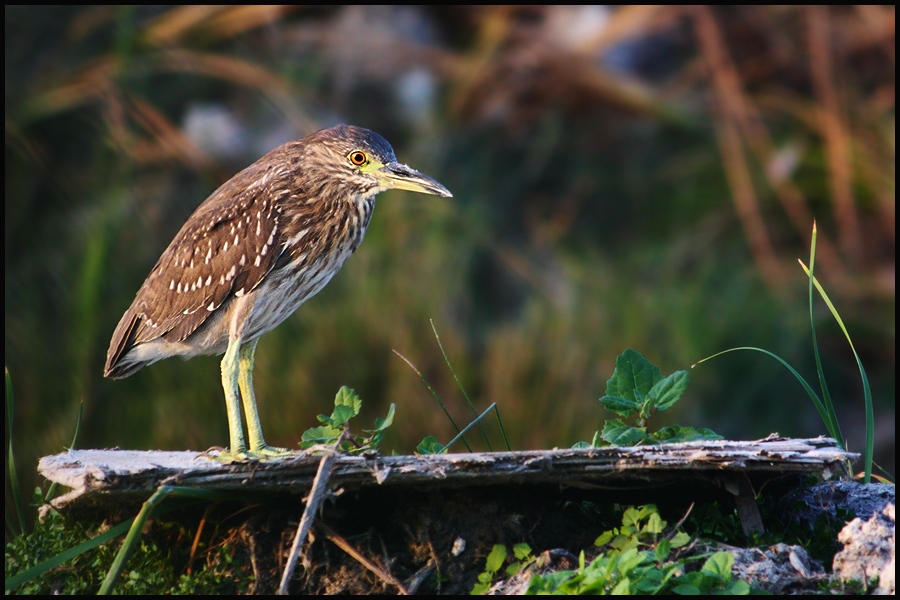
x=335, y=427
x=51, y=537
x=637, y=558
x=714, y=577
x=637, y=388
x=157, y=568
x=494, y=562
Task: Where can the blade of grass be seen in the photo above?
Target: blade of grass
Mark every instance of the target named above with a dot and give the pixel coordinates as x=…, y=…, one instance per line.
x=867, y=390
x=829, y=405
x=433, y=393
x=468, y=427
x=16, y=491
x=823, y=413
x=459, y=383
x=502, y=428
x=51, y=493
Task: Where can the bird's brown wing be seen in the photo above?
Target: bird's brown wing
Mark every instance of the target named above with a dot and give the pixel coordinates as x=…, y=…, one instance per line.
x=223, y=251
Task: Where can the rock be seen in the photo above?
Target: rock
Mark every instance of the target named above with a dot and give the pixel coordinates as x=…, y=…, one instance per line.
x=869, y=551
x=779, y=569
x=810, y=504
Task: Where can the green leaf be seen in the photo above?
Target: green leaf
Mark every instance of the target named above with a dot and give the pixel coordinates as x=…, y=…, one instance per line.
x=686, y=589
x=619, y=434
x=647, y=510
x=629, y=560
x=319, y=435
x=604, y=538
x=655, y=524
x=480, y=589
x=619, y=405
x=719, y=565
x=677, y=433
x=663, y=549
x=668, y=390
x=496, y=558
x=738, y=587
x=383, y=423
x=623, y=542
x=633, y=373
x=631, y=520
x=429, y=445
x=347, y=397
x=522, y=551
x=342, y=413
x=680, y=539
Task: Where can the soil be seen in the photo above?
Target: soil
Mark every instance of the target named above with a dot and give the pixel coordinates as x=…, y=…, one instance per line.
x=428, y=541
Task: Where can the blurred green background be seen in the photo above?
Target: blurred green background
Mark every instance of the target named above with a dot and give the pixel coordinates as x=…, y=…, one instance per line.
x=624, y=177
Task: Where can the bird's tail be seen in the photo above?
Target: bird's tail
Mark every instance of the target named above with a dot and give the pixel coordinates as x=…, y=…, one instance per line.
x=117, y=363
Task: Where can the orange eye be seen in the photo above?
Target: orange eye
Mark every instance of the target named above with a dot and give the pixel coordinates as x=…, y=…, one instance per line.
x=358, y=158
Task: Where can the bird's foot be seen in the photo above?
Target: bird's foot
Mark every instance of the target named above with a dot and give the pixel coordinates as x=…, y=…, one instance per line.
x=262, y=453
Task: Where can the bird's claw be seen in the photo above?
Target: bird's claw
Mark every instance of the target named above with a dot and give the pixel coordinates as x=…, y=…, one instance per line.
x=258, y=454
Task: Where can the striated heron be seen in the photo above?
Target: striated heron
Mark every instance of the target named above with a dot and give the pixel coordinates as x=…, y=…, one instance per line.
x=263, y=243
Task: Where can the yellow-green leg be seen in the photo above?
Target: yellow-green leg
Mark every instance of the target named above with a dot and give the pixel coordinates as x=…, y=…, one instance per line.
x=237, y=446
x=258, y=445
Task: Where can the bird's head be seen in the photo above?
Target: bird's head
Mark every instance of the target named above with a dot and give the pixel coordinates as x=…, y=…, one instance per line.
x=363, y=161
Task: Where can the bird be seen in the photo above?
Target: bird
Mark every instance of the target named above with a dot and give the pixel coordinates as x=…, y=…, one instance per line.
x=258, y=247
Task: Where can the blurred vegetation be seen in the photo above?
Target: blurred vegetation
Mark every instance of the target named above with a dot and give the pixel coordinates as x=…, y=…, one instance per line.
x=633, y=177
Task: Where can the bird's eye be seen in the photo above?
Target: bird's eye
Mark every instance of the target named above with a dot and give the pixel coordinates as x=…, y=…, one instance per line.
x=358, y=158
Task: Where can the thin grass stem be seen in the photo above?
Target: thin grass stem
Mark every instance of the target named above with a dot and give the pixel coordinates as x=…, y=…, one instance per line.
x=467, y=427
x=433, y=393
x=459, y=383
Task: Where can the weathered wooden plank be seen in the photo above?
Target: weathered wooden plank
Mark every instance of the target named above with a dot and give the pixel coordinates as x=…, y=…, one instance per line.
x=136, y=474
